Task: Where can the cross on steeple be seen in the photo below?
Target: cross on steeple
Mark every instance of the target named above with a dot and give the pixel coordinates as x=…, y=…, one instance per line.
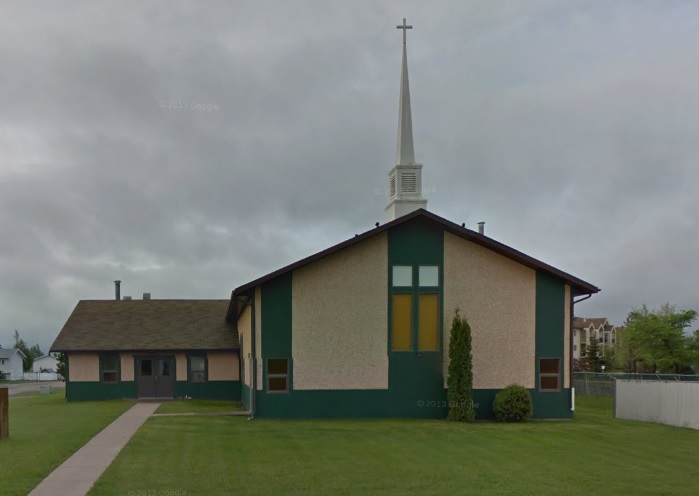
x=405, y=28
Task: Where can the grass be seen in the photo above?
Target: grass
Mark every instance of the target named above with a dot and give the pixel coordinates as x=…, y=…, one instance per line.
x=593, y=454
x=198, y=406
x=44, y=431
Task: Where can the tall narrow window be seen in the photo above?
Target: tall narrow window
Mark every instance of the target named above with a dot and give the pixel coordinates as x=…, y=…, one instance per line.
x=197, y=368
x=549, y=374
x=428, y=322
x=402, y=322
x=109, y=368
x=277, y=375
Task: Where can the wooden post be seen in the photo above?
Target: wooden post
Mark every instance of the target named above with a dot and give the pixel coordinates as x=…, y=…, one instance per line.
x=4, y=413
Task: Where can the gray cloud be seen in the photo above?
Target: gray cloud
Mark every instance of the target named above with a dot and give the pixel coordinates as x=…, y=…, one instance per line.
x=568, y=128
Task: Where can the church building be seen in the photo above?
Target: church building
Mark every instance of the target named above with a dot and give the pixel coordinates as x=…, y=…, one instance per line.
x=360, y=329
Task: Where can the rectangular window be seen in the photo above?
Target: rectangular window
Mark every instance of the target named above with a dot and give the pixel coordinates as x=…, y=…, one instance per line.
x=197, y=368
x=146, y=367
x=110, y=368
x=428, y=322
x=428, y=275
x=549, y=374
x=402, y=323
x=277, y=375
x=402, y=276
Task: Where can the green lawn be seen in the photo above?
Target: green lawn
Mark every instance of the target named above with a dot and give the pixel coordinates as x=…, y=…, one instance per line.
x=593, y=454
x=198, y=406
x=44, y=431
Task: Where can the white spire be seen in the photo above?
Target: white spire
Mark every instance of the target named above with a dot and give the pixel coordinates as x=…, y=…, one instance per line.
x=405, y=179
x=405, y=151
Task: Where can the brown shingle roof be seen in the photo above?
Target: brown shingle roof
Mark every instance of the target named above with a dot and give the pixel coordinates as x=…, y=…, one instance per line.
x=149, y=325
x=583, y=323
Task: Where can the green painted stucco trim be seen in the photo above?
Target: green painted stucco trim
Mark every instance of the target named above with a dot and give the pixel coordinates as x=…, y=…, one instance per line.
x=276, y=326
x=384, y=403
x=415, y=376
x=245, y=395
x=92, y=391
x=276, y=317
x=211, y=390
x=550, y=343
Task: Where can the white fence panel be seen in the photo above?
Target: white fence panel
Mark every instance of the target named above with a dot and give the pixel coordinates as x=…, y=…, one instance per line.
x=40, y=376
x=665, y=402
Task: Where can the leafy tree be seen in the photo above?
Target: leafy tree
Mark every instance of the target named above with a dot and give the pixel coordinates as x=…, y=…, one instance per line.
x=659, y=338
x=29, y=353
x=592, y=355
x=61, y=365
x=460, y=380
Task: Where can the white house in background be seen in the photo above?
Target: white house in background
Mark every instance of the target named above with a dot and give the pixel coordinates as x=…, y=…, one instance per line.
x=46, y=363
x=12, y=363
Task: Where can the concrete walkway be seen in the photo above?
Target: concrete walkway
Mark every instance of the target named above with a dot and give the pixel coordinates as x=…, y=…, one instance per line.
x=77, y=475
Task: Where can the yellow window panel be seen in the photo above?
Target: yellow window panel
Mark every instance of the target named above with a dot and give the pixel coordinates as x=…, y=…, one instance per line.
x=402, y=332
x=428, y=330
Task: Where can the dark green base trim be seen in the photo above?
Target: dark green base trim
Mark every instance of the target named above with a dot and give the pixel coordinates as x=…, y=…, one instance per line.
x=92, y=391
x=212, y=390
x=552, y=405
x=387, y=404
x=372, y=403
x=245, y=395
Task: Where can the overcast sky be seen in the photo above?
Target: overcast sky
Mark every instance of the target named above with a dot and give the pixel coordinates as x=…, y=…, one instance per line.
x=570, y=128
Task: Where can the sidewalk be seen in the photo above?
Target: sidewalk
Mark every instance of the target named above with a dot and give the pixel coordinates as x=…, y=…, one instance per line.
x=77, y=475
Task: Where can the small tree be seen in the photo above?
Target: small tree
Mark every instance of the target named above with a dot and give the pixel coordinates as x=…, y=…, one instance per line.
x=61, y=364
x=460, y=380
x=594, y=361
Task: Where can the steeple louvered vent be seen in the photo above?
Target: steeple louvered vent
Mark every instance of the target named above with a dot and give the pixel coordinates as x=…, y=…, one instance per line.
x=408, y=182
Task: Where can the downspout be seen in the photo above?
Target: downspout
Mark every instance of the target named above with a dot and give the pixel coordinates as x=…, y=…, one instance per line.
x=572, y=341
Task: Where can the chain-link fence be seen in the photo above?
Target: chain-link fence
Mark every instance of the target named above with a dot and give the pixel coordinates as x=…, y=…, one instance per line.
x=596, y=384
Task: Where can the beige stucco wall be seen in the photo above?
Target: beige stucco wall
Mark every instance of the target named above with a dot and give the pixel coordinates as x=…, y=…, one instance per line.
x=566, y=340
x=83, y=367
x=181, y=366
x=244, y=332
x=223, y=366
x=258, y=336
x=126, y=360
x=339, y=312
x=498, y=297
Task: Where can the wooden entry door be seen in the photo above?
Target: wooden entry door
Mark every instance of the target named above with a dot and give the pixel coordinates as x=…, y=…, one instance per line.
x=155, y=377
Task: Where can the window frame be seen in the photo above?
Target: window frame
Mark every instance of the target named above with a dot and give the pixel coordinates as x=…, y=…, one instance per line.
x=393, y=276
x=103, y=370
x=277, y=376
x=438, y=297
x=557, y=375
x=190, y=372
x=411, y=334
x=419, y=274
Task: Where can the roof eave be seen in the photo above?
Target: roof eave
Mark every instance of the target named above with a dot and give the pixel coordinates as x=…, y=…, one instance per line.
x=578, y=286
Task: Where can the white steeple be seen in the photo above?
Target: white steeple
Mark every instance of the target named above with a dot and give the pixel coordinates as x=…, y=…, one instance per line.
x=405, y=179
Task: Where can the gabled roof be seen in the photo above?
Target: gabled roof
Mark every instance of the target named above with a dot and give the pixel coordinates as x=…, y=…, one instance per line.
x=6, y=353
x=584, y=323
x=579, y=287
x=147, y=325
